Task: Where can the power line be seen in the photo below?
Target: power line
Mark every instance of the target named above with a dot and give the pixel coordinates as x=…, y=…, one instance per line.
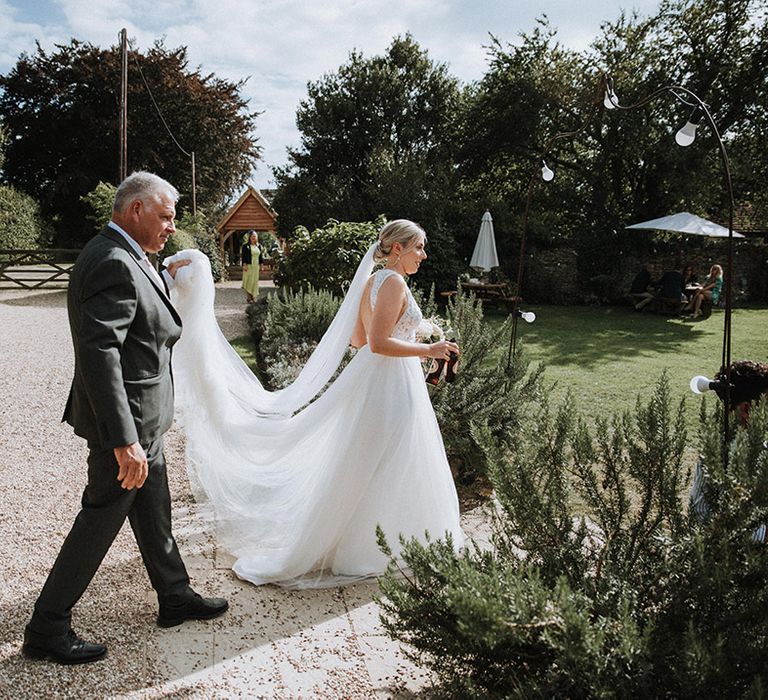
x=165, y=124
x=154, y=102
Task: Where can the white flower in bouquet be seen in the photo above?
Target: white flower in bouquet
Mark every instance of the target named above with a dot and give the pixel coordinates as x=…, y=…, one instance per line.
x=430, y=330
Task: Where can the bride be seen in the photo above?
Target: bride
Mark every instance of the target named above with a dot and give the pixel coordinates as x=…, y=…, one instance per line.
x=300, y=478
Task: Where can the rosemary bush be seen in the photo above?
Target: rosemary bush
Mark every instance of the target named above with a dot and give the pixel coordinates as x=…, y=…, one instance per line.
x=286, y=328
x=485, y=405
x=598, y=584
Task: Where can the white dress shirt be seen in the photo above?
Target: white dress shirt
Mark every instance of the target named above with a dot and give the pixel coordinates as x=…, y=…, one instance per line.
x=169, y=281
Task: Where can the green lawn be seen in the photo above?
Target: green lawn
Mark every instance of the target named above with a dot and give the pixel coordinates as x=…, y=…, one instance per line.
x=607, y=356
x=244, y=347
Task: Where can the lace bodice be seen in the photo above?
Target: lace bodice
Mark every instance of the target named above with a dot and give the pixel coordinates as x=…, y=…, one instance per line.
x=408, y=323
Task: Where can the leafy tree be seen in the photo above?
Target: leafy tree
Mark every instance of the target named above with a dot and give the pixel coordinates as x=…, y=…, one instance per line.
x=3, y=145
x=624, y=166
x=327, y=257
x=377, y=137
x=100, y=200
x=21, y=225
x=61, y=112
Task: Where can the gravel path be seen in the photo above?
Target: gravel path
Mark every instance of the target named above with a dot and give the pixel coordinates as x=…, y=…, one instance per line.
x=272, y=643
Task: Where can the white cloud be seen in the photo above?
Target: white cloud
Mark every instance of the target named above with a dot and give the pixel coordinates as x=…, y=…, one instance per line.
x=283, y=44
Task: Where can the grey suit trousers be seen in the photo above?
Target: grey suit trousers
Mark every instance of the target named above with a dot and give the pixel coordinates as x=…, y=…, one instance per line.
x=105, y=505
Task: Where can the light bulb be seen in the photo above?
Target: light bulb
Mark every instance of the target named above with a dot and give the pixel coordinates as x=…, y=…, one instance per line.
x=546, y=174
x=687, y=134
x=527, y=316
x=611, y=101
x=700, y=384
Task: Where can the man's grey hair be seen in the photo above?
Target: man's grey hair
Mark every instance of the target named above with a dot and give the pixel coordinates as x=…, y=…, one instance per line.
x=144, y=186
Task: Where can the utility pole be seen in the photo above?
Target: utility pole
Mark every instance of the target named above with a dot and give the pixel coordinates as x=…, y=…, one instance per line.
x=123, y=137
x=194, y=194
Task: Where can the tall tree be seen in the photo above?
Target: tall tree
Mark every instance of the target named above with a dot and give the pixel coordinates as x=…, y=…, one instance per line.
x=61, y=112
x=625, y=166
x=366, y=128
x=377, y=137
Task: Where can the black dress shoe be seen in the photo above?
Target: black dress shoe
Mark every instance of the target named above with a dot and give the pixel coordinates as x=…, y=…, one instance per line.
x=64, y=649
x=195, y=607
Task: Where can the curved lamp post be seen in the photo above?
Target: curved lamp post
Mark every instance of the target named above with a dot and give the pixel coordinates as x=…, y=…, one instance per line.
x=684, y=137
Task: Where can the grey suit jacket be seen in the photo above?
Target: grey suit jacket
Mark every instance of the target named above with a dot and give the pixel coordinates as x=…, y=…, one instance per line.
x=123, y=328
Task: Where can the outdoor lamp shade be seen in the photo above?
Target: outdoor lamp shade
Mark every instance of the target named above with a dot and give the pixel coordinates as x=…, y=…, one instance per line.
x=484, y=256
x=527, y=316
x=687, y=134
x=700, y=384
x=546, y=174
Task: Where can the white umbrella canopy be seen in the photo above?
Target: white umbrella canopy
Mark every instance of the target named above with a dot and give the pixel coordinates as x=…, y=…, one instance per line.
x=484, y=256
x=687, y=223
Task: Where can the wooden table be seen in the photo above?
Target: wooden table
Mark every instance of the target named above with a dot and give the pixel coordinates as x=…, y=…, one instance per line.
x=492, y=293
x=485, y=290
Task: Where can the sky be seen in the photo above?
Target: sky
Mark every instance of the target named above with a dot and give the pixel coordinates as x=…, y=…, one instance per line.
x=281, y=45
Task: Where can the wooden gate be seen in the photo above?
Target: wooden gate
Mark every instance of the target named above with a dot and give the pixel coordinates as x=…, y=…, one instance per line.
x=32, y=269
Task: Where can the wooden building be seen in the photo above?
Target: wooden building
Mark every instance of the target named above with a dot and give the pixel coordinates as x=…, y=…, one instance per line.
x=252, y=212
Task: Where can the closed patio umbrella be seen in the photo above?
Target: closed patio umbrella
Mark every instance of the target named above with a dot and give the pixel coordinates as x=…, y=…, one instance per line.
x=484, y=256
x=687, y=223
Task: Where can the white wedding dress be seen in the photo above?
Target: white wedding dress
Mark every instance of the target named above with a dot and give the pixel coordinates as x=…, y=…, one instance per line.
x=298, y=485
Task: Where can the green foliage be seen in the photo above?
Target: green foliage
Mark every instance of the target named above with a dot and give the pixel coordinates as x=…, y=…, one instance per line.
x=100, y=200
x=204, y=239
x=21, y=225
x=487, y=402
x=597, y=584
x=180, y=240
x=60, y=112
x=295, y=317
x=377, y=135
x=286, y=328
x=327, y=257
x=3, y=144
x=357, y=126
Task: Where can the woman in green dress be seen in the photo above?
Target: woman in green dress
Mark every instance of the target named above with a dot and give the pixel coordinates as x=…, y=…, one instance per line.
x=250, y=257
x=711, y=290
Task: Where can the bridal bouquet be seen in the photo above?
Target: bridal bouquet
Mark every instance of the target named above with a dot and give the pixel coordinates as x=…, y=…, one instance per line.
x=431, y=330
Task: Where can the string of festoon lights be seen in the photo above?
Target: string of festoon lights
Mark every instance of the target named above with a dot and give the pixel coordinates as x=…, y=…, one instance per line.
x=684, y=137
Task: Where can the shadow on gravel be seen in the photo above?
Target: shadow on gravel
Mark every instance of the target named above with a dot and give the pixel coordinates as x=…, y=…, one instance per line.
x=119, y=610
x=47, y=299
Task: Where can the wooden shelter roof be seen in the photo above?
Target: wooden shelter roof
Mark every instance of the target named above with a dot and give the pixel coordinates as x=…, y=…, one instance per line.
x=251, y=211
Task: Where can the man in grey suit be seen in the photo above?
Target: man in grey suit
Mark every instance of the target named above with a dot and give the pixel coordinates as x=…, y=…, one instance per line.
x=123, y=327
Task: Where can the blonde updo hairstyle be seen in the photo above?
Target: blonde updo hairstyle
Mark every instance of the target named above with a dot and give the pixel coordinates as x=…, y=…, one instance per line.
x=401, y=231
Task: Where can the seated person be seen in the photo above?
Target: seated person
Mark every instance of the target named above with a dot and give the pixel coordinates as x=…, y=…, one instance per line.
x=690, y=282
x=749, y=381
x=669, y=287
x=710, y=290
x=641, y=282
x=641, y=290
